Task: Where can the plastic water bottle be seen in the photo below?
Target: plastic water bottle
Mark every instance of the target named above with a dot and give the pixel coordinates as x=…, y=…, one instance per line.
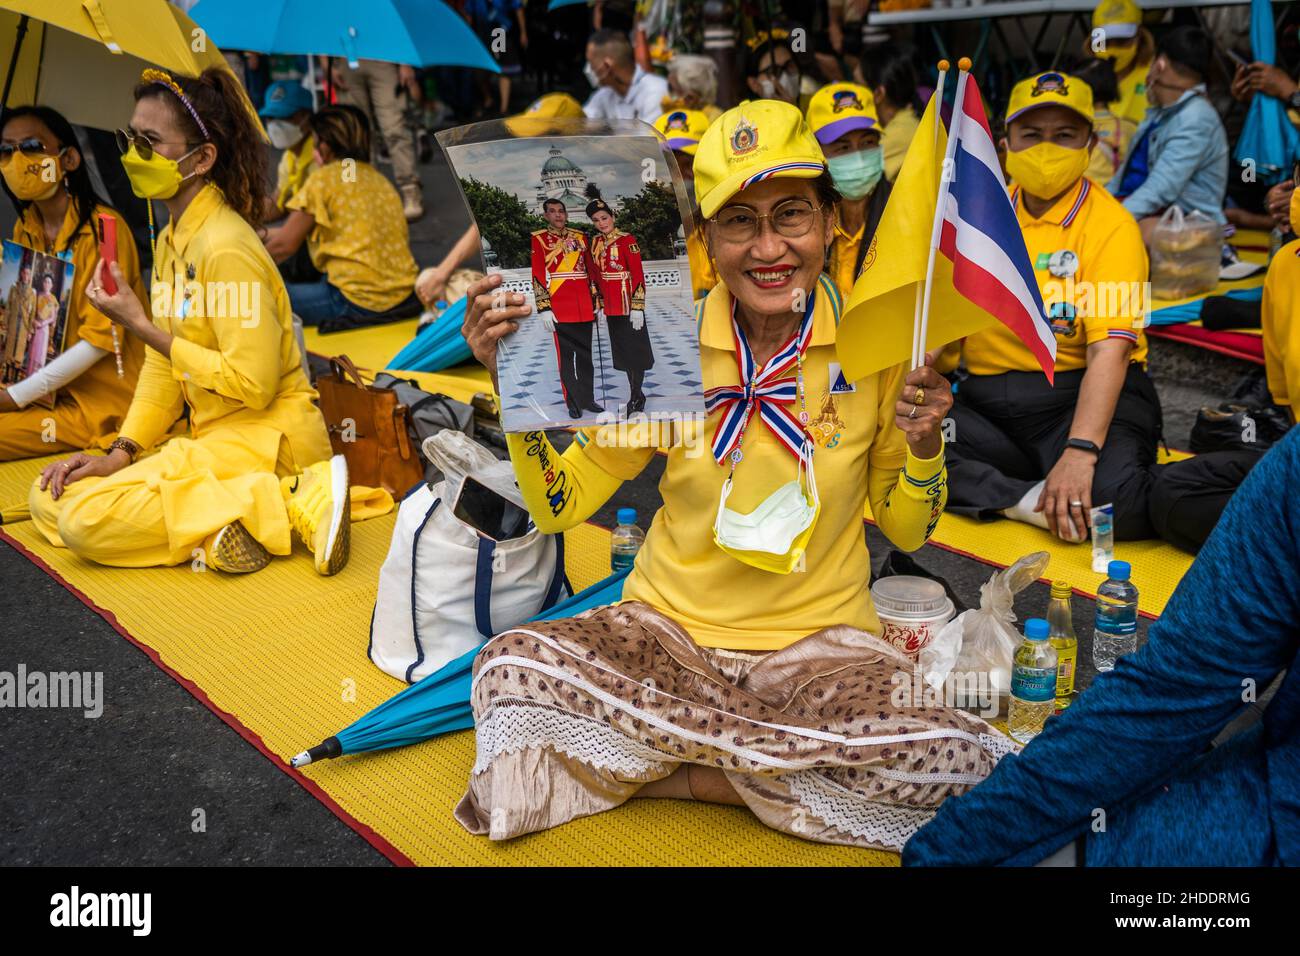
x=626, y=540
x=1033, y=682
x=1115, y=630
x=1063, y=641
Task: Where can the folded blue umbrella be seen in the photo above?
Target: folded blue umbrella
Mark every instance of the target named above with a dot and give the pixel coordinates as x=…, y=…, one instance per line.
x=437, y=346
x=413, y=32
x=439, y=703
x=1267, y=139
x=1191, y=311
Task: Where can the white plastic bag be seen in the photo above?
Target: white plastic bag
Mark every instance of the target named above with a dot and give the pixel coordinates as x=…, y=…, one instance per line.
x=974, y=649
x=1186, y=252
x=456, y=455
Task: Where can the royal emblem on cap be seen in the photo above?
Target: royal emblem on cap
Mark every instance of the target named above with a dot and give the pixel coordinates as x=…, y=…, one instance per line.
x=845, y=100
x=677, y=121
x=744, y=137
x=1050, y=83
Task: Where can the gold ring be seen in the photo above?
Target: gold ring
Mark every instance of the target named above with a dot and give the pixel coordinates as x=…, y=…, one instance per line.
x=919, y=397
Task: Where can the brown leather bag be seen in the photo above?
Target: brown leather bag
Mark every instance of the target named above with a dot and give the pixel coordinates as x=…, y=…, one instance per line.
x=369, y=427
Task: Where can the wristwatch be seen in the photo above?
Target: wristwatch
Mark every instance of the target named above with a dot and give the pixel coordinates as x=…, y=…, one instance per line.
x=125, y=444
x=1083, y=445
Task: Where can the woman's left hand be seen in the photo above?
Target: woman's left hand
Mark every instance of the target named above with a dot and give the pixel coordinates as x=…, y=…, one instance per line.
x=123, y=308
x=922, y=407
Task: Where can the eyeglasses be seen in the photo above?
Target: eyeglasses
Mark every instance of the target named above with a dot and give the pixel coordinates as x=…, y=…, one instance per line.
x=143, y=144
x=28, y=147
x=791, y=219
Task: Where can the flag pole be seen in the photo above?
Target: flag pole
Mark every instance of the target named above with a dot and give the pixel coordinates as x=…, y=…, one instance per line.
x=945, y=177
x=919, y=357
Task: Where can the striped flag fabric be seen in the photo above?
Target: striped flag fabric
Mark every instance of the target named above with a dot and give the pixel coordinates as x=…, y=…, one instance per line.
x=980, y=233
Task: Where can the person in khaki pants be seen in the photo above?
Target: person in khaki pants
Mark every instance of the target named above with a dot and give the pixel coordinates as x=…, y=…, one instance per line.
x=375, y=88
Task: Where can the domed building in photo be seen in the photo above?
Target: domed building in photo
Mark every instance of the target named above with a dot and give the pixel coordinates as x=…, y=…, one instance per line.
x=564, y=180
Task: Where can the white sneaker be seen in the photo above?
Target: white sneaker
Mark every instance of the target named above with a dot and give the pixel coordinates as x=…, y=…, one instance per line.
x=412, y=202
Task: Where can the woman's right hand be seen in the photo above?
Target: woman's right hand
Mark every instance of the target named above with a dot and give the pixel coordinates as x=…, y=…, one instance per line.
x=1278, y=204
x=59, y=475
x=492, y=314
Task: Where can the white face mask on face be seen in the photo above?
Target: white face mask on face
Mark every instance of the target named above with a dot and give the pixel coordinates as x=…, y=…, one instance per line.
x=283, y=134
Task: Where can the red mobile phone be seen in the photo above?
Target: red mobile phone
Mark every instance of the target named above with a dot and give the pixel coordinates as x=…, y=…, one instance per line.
x=108, y=249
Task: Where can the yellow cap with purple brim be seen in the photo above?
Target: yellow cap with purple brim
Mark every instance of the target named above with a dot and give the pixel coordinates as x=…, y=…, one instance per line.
x=757, y=140
x=682, y=129
x=841, y=108
x=1051, y=89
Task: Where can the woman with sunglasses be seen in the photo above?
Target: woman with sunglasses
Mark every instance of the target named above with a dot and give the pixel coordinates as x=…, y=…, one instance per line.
x=255, y=463
x=744, y=665
x=94, y=376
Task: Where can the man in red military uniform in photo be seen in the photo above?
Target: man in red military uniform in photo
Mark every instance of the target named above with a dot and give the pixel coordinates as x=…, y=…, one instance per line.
x=564, y=289
x=620, y=280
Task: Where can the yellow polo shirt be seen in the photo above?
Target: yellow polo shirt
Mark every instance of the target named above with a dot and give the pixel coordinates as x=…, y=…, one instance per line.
x=294, y=168
x=1280, y=319
x=860, y=456
x=1132, y=103
x=234, y=359
x=360, y=239
x=98, y=393
x=896, y=137
x=1091, y=266
x=844, y=256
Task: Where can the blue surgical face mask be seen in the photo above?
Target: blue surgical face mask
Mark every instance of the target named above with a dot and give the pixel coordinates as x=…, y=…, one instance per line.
x=856, y=174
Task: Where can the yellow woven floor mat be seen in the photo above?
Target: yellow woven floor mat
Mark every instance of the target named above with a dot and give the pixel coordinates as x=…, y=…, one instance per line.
x=370, y=348
x=281, y=656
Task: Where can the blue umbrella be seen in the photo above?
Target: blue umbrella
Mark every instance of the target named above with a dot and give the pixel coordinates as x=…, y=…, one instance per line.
x=439, y=703
x=1268, y=138
x=414, y=32
x=437, y=346
x=556, y=4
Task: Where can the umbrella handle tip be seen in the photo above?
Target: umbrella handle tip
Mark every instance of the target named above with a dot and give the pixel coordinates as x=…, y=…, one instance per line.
x=301, y=760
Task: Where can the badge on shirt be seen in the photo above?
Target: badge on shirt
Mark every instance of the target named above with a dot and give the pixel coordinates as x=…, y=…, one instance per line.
x=1062, y=264
x=1063, y=318
x=839, y=384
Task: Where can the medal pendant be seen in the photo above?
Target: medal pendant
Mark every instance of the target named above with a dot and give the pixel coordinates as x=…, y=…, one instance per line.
x=736, y=456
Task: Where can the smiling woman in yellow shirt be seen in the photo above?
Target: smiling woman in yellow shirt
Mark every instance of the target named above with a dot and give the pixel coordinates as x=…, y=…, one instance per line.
x=257, y=462
x=57, y=216
x=351, y=219
x=743, y=665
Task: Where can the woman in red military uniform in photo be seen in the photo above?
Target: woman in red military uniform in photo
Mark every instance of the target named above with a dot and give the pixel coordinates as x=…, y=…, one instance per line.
x=621, y=281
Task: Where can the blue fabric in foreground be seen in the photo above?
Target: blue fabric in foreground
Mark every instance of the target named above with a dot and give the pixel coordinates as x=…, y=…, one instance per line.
x=439, y=703
x=1130, y=765
x=437, y=346
x=1191, y=311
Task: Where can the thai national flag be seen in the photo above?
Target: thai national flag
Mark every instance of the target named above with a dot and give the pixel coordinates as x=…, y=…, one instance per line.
x=980, y=233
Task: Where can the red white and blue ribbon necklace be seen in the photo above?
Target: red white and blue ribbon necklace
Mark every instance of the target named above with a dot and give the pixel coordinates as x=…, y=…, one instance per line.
x=766, y=391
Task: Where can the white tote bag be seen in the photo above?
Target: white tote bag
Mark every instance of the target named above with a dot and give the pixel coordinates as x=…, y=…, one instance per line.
x=444, y=589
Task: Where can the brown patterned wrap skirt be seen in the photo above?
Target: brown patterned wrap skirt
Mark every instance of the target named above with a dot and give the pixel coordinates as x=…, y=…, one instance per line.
x=573, y=716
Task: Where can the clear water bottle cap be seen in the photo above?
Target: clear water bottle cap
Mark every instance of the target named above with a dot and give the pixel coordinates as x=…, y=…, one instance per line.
x=1037, y=629
x=1119, y=570
x=627, y=516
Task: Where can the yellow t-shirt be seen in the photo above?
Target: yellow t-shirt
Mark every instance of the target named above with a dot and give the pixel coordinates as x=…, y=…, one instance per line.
x=703, y=278
x=895, y=139
x=234, y=359
x=1091, y=266
x=98, y=393
x=1280, y=320
x=844, y=256
x=1114, y=135
x=294, y=168
x=860, y=456
x=360, y=239
x=1132, y=103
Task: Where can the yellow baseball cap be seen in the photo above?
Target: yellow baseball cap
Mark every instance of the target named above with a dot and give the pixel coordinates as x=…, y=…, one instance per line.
x=552, y=106
x=1051, y=89
x=840, y=107
x=757, y=140
x=682, y=129
x=1117, y=19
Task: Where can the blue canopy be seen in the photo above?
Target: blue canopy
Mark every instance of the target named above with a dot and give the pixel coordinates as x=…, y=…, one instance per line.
x=439, y=704
x=1267, y=139
x=413, y=32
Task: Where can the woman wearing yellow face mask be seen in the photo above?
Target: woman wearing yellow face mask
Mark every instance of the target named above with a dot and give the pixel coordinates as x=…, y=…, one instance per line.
x=743, y=665
x=256, y=462
x=1118, y=35
x=93, y=378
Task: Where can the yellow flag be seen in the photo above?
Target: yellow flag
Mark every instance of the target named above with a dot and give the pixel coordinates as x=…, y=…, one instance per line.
x=876, y=329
